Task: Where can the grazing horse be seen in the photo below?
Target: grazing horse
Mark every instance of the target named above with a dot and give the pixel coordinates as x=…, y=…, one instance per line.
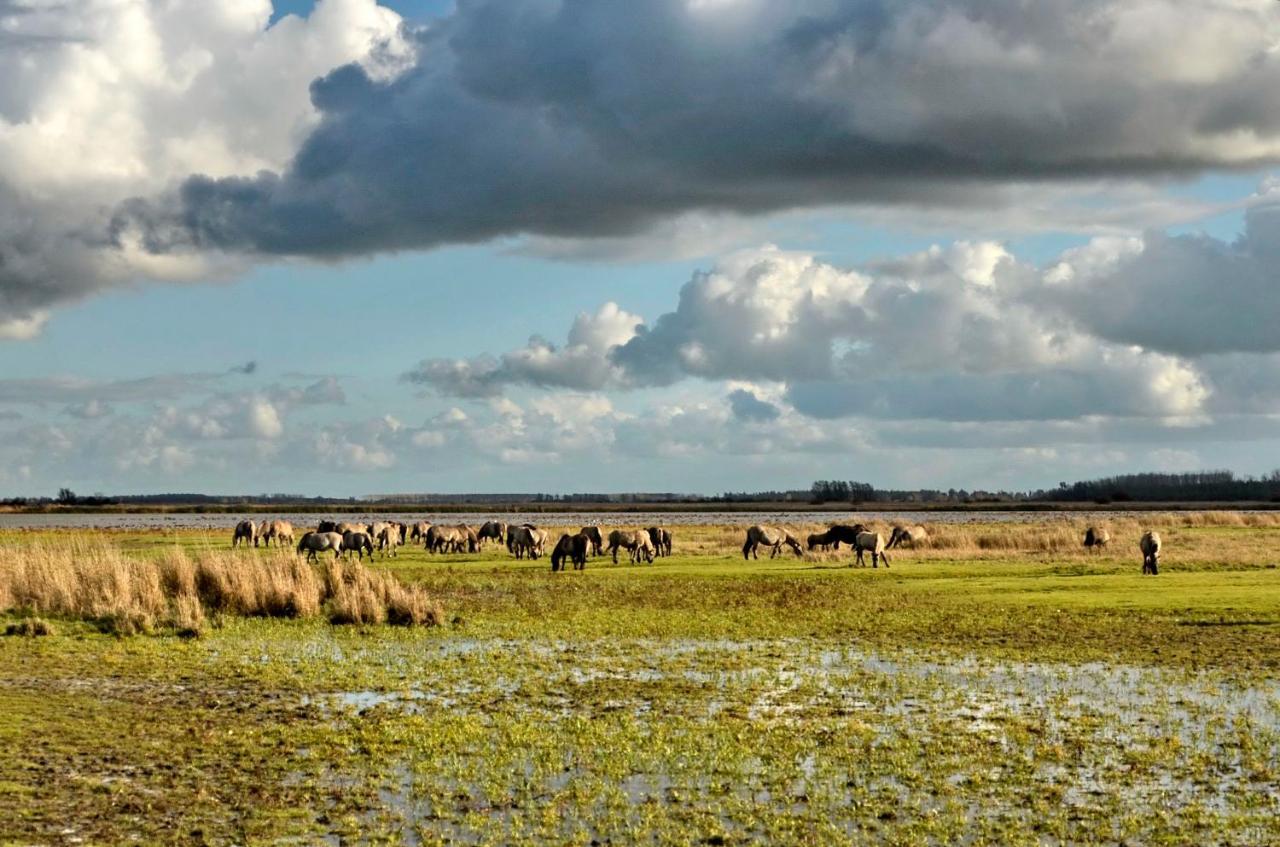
x=470, y=539
x=318, y=542
x=1095, y=539
x=281, y=531
x=444, y=539
x=629, y=540
x=818, y=541
x=1150, y=546
x=661, y=538
x=573, y=548
x=873, y=542
x=912, y=536
x=419, y=531
x=526, y=540
x=357, y=541
x=592, y=534
x=771, y=537
x=839, y=533
x=389, y=539
x=644, y=549
x=495, y=530
x=246, y=531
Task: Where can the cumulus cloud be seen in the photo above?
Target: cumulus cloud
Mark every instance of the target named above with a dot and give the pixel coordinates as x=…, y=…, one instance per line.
x=109, y=99
x=581, y=364
x=965, y=333
x=1185, y=294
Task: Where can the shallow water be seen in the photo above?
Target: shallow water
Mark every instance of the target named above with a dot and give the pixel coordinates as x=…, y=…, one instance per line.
x=969, y=739
x=569, y=518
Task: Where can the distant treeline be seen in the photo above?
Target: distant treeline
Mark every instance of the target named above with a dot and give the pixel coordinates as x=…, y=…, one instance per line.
x=1202, y=486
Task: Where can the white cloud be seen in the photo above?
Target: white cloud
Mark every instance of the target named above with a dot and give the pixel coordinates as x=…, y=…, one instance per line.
x=264, y=420
x=111, y=99
x=582, y=364
x=23, y=328
x=965, y=332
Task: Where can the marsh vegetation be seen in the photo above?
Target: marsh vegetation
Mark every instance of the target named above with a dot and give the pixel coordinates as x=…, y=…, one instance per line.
x=997, y=685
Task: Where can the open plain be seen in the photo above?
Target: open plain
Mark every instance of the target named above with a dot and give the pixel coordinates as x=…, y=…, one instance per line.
x=999, y=685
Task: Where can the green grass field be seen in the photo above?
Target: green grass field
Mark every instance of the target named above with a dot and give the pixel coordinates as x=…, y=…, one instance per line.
x=993, y=690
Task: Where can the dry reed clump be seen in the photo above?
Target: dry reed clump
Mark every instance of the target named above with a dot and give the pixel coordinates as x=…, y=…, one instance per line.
x=96, y=582
x=361, y=596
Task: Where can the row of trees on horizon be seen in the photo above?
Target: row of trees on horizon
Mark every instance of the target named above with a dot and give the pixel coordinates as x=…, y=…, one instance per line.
x=1199, y=486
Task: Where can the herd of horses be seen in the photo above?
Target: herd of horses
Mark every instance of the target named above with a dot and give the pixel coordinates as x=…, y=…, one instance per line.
x=521, y=540
x=528, y=541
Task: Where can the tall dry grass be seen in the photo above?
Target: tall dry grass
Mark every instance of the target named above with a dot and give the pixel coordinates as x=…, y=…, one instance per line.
x=98, y=582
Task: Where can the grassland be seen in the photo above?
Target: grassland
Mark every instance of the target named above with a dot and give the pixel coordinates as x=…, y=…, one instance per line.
x=999, y=687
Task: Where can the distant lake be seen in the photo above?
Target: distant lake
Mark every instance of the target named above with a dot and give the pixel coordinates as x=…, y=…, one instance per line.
x=568, y=518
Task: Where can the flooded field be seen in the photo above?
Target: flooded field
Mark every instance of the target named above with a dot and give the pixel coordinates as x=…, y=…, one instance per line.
x=761, y=740
x=999, y=687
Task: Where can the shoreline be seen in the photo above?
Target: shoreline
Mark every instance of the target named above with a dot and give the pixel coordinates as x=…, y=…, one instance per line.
x=539, y=507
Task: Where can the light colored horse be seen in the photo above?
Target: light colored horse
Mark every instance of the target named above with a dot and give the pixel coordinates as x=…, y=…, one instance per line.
x=771, y=537
x=389, y=539
x=318, y=542
x=874, y=543
x=246, y=531
x=1095, y=539
x=628, y=540
x=360, y=542
x=1150, y=546
x=912, y=536
x=281, y=531
x=444, y=539
x=418, y=532
x=470, y=539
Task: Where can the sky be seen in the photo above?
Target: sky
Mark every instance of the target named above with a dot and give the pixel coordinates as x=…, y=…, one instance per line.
x=350, y=248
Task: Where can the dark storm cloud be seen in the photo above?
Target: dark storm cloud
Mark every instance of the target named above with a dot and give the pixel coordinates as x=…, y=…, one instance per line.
x=588, y=118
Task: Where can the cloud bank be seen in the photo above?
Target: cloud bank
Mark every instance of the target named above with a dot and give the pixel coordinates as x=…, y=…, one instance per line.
x=1163, y=328
x=575, y=119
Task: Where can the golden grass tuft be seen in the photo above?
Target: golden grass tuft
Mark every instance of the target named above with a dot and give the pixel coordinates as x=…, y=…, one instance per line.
x=361, y=596
x=122, y=595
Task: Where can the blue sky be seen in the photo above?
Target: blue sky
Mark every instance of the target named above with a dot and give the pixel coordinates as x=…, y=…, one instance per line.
x=990, y=333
